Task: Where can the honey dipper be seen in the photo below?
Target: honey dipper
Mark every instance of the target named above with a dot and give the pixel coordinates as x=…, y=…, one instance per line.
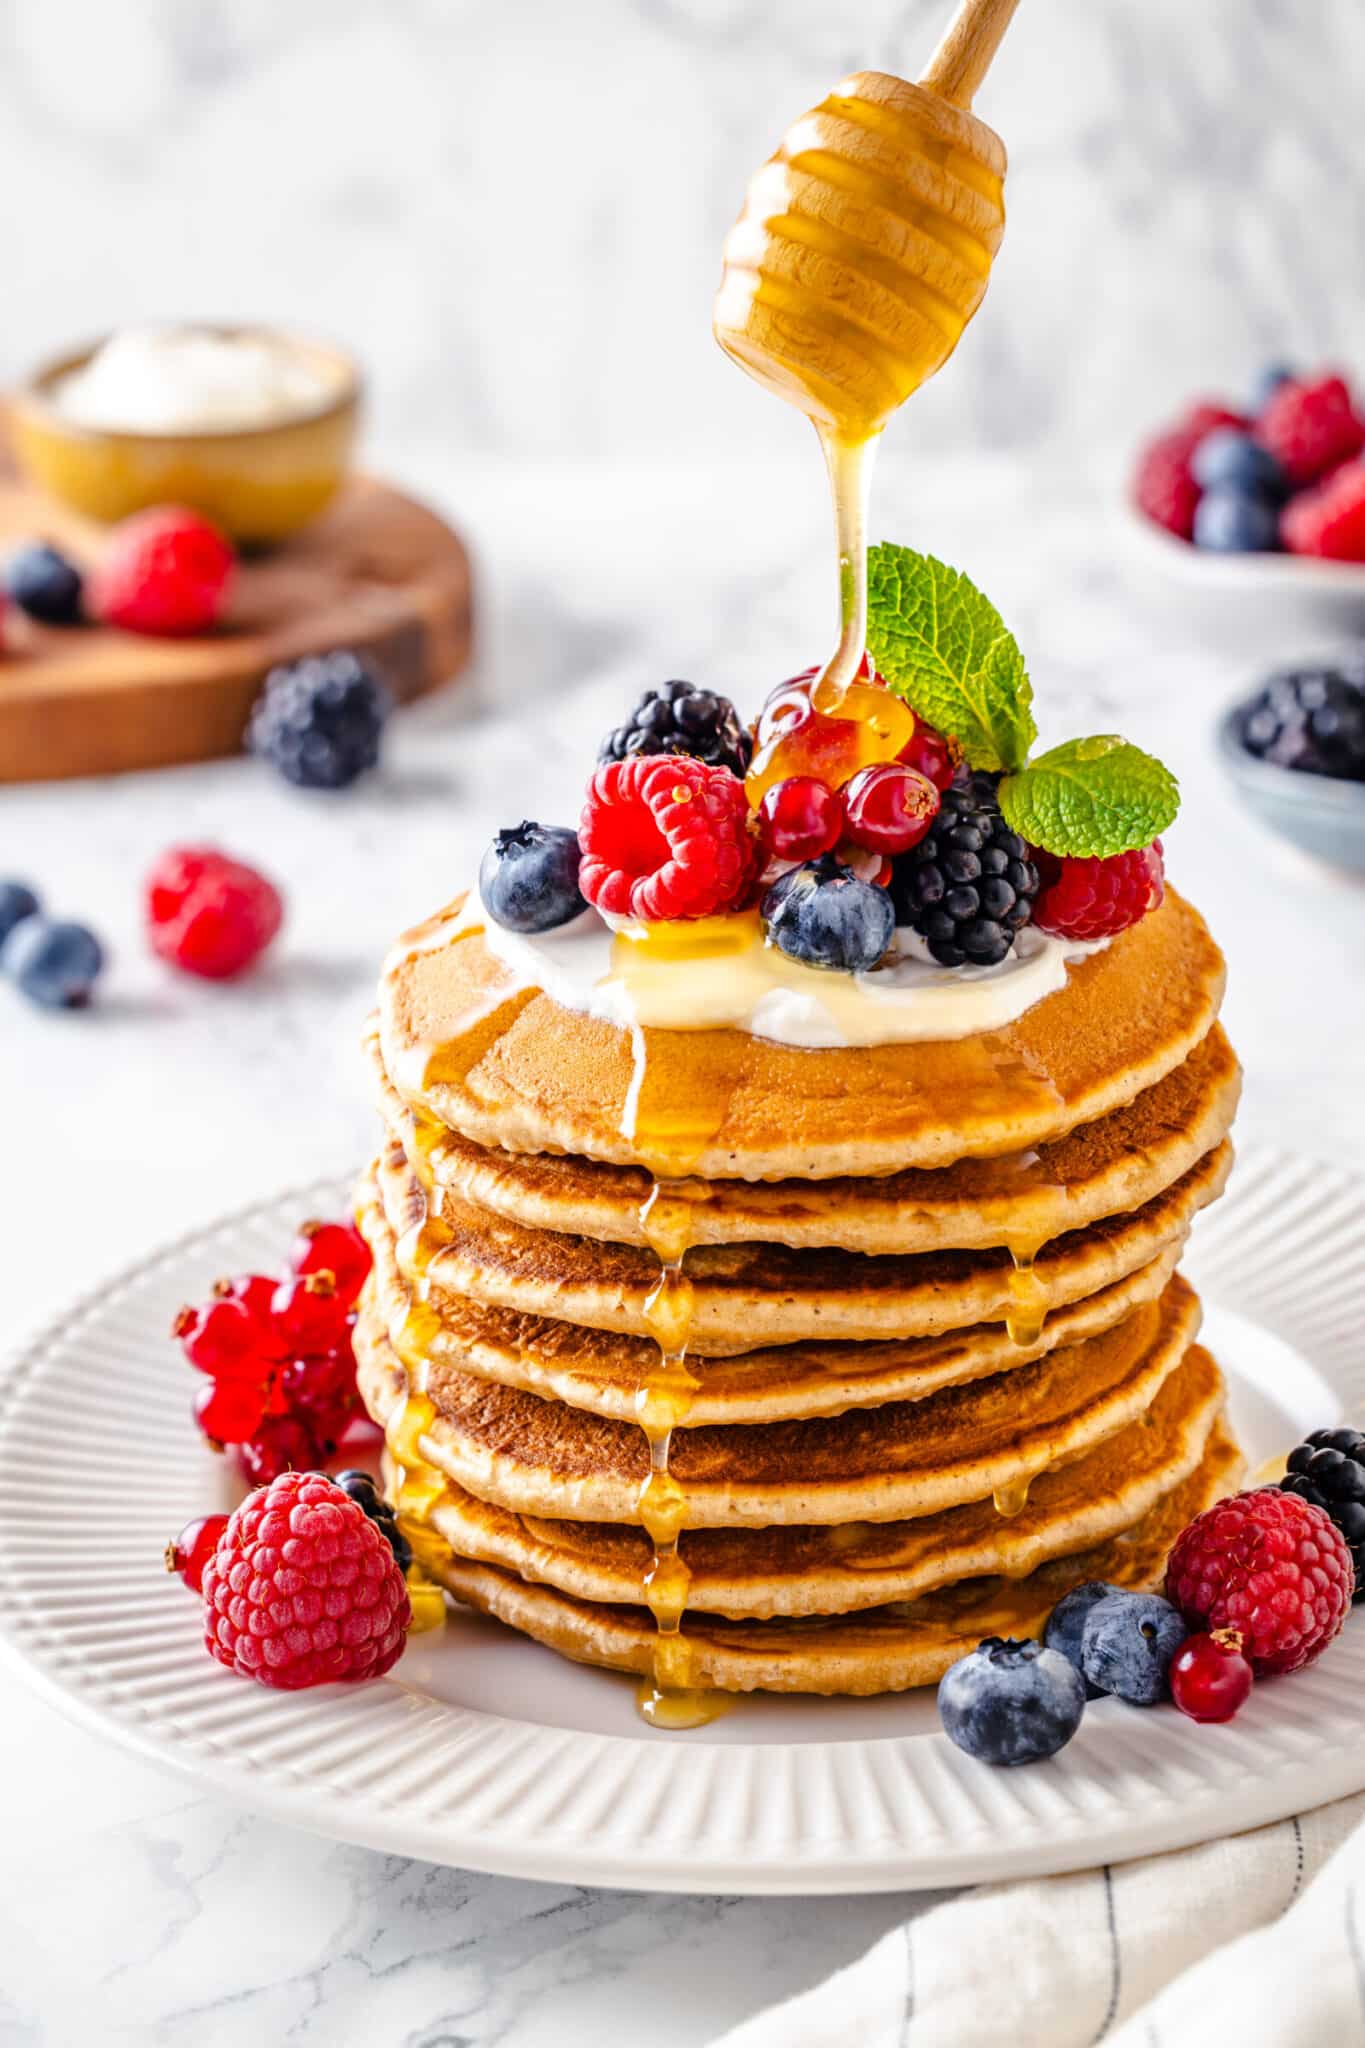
x=866, y=241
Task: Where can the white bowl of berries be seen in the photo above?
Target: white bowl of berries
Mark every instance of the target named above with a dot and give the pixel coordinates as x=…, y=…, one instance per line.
x=1262, y=508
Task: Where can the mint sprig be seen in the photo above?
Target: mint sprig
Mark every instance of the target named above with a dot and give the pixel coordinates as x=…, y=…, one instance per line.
x=1095, y=796
x=942, y=646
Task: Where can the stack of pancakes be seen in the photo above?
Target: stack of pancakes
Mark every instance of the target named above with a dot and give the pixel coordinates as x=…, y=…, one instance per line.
x=923, y=1360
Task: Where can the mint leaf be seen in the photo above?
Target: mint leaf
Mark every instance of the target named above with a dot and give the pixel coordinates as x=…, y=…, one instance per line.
x=1096, y=796
x=945, y=648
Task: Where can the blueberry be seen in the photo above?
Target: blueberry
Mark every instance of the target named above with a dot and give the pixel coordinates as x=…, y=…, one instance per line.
x=1268, y=382
x=319, y=721
x=822, y=914
x=1232, y=460
x=1066, y=1623
x=528, y=878
x=44, y=584
x=1010, y=1702
x=54, y=965
x=17, y=901
x=1127, y=1645
x=372, y=1504
x=1234, y=524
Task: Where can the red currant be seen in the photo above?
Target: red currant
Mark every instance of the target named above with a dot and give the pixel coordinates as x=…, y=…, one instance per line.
x=321, y=1392
x=801, y=818
x=936, y=757
x=890, y=807
x=225, y=1340
x=229, y=1410
x=336, y=1248
x=1210, y=1678
x=255, y=1292
x=193, y=1547
x=309, y=1314
x=285, y=1445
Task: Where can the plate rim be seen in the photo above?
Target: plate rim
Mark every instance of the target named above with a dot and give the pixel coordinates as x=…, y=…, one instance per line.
x=818, y=1858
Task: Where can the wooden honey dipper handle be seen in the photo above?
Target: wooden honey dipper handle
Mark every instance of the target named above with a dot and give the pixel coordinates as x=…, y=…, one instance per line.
x=963, y=58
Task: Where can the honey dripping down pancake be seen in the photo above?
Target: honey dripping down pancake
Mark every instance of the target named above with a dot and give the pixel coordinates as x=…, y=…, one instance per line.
x=798, y=1568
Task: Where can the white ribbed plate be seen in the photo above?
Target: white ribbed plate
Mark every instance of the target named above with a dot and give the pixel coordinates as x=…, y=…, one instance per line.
x=485, y=1751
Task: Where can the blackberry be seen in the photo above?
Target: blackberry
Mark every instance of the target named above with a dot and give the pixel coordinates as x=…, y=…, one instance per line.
x=319, y=720
x=44, y=584
x=1310, y=719
x=969, y=885
x=680, y=719
x=1328, y=1469
x=371, y=1502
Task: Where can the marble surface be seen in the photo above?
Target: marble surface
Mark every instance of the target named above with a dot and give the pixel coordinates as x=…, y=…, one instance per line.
x=171, y=1101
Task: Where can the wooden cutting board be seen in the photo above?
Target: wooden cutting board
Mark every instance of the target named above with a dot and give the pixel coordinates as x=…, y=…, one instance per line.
x=378, y=573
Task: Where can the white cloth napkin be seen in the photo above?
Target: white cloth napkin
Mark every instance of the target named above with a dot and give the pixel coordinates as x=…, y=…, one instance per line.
x=1255, y=1941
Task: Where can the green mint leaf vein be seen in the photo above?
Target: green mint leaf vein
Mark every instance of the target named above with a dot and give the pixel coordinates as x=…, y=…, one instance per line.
x=1097, y=796
x=944, y=648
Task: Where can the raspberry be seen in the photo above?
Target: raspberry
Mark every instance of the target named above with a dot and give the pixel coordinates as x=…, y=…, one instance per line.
x=281, y=1444
x=209, y=914
x=801, y=818
x=1210, y=1678
x=680, y=719
x=1310, y=427
x=890, y=807
x=1206, y=415
x=1269, y=1565
x=191, y=1550
x=1329, y=521
x=227, y=1341
x=309, y=1314
x=1095, y=899
x=1163, y=486
x=166, y=571
x=664, y=836
x=303, y=1589
x=336, y=1248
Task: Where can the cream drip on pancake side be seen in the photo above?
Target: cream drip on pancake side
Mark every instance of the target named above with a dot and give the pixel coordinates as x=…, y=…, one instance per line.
x=720, y=974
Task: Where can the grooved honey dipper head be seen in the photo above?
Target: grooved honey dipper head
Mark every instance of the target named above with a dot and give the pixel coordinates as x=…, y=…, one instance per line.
x=864, y=248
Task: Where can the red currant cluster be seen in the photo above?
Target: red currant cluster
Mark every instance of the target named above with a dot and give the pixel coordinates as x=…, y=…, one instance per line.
x=864, y=785
x=277, y=1354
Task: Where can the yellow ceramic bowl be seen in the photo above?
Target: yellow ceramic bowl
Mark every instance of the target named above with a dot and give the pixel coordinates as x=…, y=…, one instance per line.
x=260, y=484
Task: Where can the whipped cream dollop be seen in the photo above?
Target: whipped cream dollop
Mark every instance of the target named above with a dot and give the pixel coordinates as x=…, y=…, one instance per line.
x=169, y=380
x=741, y=983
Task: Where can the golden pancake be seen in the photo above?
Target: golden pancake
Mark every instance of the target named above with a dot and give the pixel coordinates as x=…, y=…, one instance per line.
x=901, y=1460
x=883, y=1649
x=506, y=1065
x=603, y=1371
x=748, y=1296
x=791, y=1569
x=1098, y=1169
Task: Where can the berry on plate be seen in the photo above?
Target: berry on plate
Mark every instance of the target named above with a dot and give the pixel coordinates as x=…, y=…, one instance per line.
x=680, y=719
x=1127, y=1643
x=801, y=818
x=968, y=887
x=209, y=914
x=17, y=901
x=1309, y=719
x=1066, y=1623
x=528, y=878
x=335, y=1248
x=1309, y=426
x=309, y=1313
x=1209, y=1677
x=1270, y=1565
x=1011, y=1702
x=303, y=1589
x=43, y=583
x=188, y=1553
x=666, y=836
x=319, y=721
x=54, y=964
x=822, y=915
x=889, y=807
x=1328, y=1469
x=1093, y=899
x=227, y=1340
x=362, y=1490
x=1235, y=522
x=281, y=1444
x=228, y=1411
x=1228, y=459
x=166, y=572
x=1330, y=520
